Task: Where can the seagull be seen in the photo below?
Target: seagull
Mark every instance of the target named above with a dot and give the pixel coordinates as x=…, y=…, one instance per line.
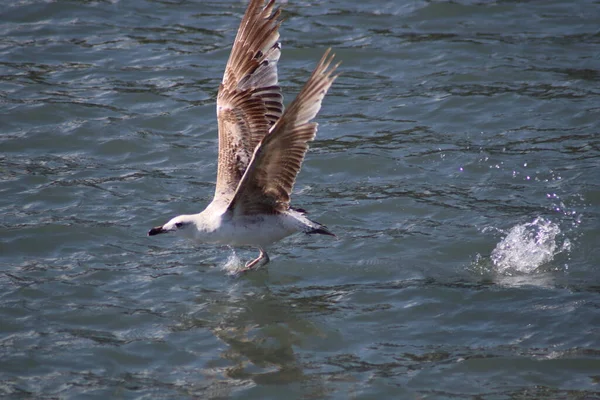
x=261, y=146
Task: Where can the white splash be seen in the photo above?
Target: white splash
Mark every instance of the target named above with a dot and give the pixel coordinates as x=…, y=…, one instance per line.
x=528, y=246
x=233, y=263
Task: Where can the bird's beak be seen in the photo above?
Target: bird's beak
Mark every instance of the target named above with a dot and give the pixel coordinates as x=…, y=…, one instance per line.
x=156, y=230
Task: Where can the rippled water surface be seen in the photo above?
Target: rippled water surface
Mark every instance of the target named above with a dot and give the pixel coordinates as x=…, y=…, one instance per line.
x=457, y=160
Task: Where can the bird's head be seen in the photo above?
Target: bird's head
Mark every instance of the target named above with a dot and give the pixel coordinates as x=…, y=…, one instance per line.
x=179, y=224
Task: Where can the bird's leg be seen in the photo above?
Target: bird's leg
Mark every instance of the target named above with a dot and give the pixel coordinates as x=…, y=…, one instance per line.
x=262, y=259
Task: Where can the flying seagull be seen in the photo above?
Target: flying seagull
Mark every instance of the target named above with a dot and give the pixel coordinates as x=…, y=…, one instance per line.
x=261, y=146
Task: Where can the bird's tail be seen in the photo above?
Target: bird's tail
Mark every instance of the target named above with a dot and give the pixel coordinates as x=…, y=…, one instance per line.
x=308, y=226
x=319, y=228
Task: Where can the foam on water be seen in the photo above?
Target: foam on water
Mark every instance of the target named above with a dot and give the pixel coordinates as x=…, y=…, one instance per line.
x=528, y=246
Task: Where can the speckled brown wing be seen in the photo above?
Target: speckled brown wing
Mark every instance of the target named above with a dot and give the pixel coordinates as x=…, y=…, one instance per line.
x=267, y=184
x=249, y=100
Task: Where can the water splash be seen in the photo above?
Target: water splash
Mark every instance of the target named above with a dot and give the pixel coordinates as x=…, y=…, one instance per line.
x=528, y=246
x=233, y=263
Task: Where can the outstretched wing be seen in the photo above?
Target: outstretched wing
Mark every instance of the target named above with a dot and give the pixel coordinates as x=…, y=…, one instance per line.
x=249, y=100
x=267, y=184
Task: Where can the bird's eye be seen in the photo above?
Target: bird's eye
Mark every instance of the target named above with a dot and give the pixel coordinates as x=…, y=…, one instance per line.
x=179, y=224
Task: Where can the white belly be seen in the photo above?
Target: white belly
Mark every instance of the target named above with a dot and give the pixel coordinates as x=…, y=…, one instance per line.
x=258, y=231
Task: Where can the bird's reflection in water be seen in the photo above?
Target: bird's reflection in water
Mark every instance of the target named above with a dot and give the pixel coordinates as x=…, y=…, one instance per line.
x=261, y=328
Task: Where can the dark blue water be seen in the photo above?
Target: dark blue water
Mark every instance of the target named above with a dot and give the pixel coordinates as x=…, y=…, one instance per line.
x=457, y=160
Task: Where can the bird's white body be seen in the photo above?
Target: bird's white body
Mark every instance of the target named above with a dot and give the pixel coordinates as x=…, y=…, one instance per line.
x=217, y=226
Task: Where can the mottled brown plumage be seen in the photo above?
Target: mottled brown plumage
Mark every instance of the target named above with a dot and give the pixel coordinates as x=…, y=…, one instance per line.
x=249, y=100
x=267, y=184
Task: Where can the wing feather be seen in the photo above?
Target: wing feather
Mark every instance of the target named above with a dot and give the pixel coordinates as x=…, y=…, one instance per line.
x=269, y=179
x=249, y=101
